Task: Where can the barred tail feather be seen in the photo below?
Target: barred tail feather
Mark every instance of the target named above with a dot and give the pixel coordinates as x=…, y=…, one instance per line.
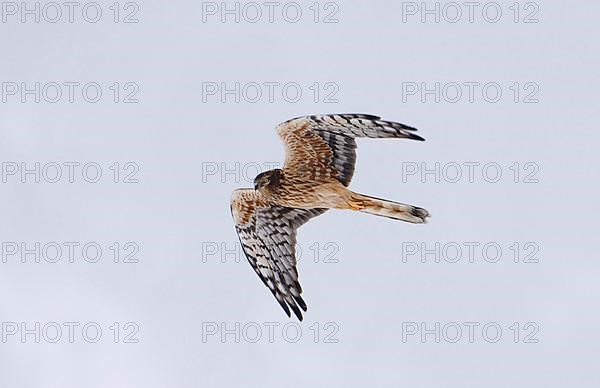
x=390, y=209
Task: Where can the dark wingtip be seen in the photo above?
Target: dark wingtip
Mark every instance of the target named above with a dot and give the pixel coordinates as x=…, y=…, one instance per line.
x=367, y=116
x=296, y=311
x=300, y=302
x=409, y=128
x=283, y=305
x=413, y=136
x=287, y=312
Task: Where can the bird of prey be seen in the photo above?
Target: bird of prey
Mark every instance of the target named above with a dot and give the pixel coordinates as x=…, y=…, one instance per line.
x=319, y=164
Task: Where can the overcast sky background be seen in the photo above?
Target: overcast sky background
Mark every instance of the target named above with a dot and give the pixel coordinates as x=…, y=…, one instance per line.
x=180, y=141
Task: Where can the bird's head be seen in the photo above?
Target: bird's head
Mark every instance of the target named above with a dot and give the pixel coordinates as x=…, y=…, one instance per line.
x=269, y=179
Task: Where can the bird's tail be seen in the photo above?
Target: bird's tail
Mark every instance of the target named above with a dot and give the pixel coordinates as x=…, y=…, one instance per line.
x=385, y=208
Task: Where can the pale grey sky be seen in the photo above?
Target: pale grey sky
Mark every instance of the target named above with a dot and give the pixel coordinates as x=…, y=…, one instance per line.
x=169, y=162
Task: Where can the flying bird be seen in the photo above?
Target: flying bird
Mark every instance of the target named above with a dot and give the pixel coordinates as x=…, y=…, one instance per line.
x=319, y=164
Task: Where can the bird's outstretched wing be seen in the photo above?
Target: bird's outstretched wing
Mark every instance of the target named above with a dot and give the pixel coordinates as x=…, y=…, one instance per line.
x=268, y=237
x=323, y=146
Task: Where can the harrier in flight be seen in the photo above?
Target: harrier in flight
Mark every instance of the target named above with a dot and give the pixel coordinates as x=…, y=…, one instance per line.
x=319, y=164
